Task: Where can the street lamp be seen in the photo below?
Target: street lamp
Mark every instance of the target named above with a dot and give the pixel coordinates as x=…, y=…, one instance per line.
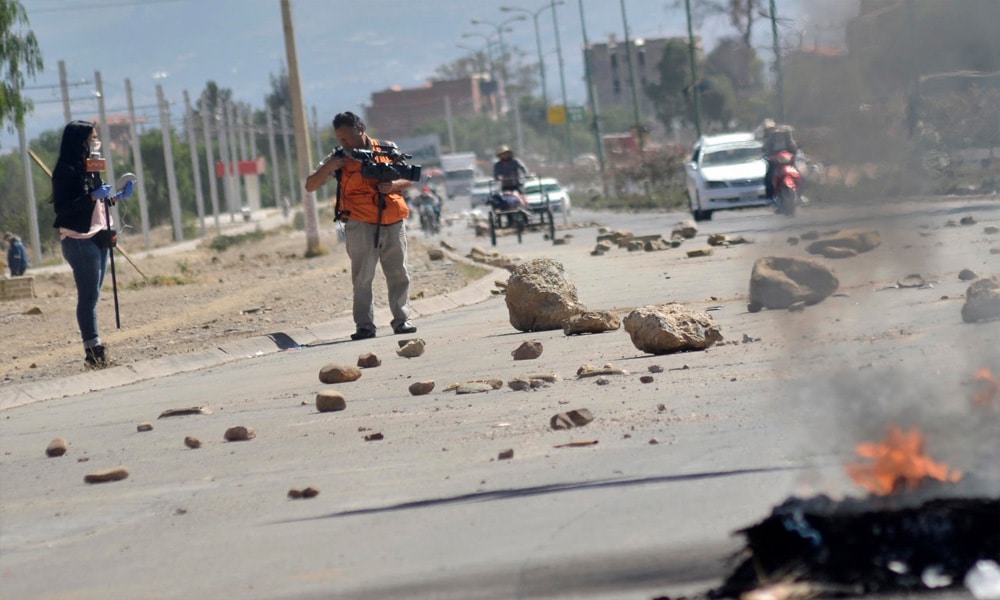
x=500, y=27
x=541, y=64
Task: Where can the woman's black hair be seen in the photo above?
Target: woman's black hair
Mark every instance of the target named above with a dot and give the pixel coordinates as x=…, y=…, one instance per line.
x=75, y=146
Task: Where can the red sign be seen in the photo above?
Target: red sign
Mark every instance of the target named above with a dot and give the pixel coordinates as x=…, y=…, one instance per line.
x=243, y=167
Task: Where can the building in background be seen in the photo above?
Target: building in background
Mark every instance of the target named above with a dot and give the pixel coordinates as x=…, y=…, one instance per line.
x=395, y=112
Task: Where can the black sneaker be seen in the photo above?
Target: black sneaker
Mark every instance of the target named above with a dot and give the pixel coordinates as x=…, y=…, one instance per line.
x=96, y=357
x=406, y=327
x=362, y=334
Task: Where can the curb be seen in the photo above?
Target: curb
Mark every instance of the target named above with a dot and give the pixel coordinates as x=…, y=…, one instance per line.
x=74, y=385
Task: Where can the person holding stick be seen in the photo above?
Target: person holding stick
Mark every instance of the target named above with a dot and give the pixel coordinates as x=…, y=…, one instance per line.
x=79, y=197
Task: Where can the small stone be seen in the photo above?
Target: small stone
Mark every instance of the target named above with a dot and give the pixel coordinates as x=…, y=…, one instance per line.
x=374, y=437
x=116, y=474
x=754, y=307
x=991, y=230
x=56, y=447
x=34, y=310
x=602, y=381
x=810, y=235
x=967, y=275
x=661, y=407
x=369, y=360
x=700, y=252
x=969, y=220
x=506, y=454
x=334, y=373
x=435, y=254
x=655, y=369
x=473, y=388
x=419, y=388
x=179, y=412
x=412, y=349
x=718, y=239
x=653, y=442
x=913, y=280
x=560, y=241
x=793, y=241
x=240, y=434
x=330, y=401
x=646, y=379
x=519, y=384
x=797, y=306
x=192, y=442
x=573, y=418
x=527, y=350
x=294, y=494
x=309, y=492
x=142, y=427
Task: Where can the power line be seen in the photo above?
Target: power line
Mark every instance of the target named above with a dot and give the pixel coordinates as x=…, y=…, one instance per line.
x=105, y=5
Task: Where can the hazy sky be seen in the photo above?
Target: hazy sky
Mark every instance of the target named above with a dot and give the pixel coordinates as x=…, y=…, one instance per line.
x=347, y=48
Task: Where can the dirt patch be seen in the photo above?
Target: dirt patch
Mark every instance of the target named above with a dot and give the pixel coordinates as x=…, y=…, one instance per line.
x=228, y=288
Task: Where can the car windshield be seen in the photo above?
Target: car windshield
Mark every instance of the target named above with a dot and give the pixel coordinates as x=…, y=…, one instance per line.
x=731, y=155
x=532, y=188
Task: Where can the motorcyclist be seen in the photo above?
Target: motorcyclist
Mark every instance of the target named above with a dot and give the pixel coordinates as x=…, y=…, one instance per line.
x=776, y=139
x=428, y=205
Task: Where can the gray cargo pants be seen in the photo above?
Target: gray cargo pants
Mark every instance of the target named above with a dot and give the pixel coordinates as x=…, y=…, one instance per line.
x=360, y=240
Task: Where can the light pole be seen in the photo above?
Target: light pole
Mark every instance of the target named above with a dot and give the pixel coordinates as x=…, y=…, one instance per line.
x=541, y=66
x=503, y=51
x=779, y=92
x=695, y=93
x=562, y=83
x=631, y=76
x=592, y=97
x=493, y=67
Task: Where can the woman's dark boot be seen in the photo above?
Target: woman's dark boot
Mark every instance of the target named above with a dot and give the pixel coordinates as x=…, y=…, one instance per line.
x=96, y=357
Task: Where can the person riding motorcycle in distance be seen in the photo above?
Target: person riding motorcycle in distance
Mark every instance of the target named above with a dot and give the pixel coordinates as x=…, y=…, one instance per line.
x=776, y=139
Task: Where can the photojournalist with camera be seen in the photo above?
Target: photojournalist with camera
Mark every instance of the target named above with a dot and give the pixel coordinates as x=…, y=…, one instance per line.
x=79, y=197
x=371, y=176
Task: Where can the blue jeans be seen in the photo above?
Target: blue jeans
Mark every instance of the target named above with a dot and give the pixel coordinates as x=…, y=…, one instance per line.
x=89, y=263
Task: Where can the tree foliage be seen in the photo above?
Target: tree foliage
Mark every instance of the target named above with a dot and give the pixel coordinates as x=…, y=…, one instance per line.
x=19, y=57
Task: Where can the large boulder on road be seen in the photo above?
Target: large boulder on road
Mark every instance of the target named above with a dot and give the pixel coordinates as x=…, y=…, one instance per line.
x=778, y=282
x=982, y=300
x=539, y=297
x=845, y=244
x=662, y=329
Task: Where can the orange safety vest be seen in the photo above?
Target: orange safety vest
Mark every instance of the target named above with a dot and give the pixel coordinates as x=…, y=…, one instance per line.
x=359, y=195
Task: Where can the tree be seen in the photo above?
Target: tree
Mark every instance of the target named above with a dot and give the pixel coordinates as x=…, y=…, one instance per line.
x=671, y=96
x=739, y=63
x=20, y=56
x=742, y=14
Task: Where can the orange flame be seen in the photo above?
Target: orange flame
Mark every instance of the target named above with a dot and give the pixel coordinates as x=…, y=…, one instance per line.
x=897, y=462
x=988, y=394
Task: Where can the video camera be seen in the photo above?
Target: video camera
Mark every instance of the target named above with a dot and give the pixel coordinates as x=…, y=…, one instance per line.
x=386, y=171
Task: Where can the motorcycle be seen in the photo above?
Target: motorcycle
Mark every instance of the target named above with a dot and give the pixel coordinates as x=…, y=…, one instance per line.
x=429, y=222
x=786, y=181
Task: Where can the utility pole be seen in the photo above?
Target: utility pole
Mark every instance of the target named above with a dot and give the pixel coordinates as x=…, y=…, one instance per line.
x=692, y=51
x=316, y=136
x=779, y=77
x=592, y=98
x=140, y=173
x=913, y=102
x=168, y=155
x=562, y=83
x=29, y=183
x=234, y=174
x=293, y=188
x=313, y=247
x=64, y=87
x=275, y=170
x=226, y=160
x=631, y=76
x=451, y=126
x=213, y=189
x=240, y=118
x=199, y=198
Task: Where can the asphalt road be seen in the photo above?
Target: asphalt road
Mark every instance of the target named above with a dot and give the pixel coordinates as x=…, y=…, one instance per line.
x=429, y=511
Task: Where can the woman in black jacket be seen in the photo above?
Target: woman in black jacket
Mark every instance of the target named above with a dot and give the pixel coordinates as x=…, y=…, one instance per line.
x=80, y=216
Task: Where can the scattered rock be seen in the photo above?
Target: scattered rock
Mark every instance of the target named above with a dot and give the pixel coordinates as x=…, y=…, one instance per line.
x=655, y=369
x=845, y=244
x=560, y=241
x=374, y=437
x=991, y=230
x=330, y=401
x=580, y=444
x=334, y=373
x=810, y=235
x=967, y=220
x=982, y=300
x=967, y=275
x=116, y=474
x=143, y=427
x=447, y=246
x=591, y=321
x=571, y=419
x=412, y=348
x=495, y=384
x=685, y=229
x=506, y=454
x=420, y=388
x=602, y=381
x=473, y=388
x=656, y=245
x=778, y=282
x=646, y=379
x=435, y=254
x=369, y=360
x=179, y=412
x=653, y=442
x=603, y=246
x=192, y=442
x=662, y=329
x=913, y=280
x=793, y=241
x=995, y=250
x=592, y=371
x=749, y=340
x=700, y=252
x=519, y=384
x=34, y=311
x=240, y=434
x=539, y=297
x=309, y=492
x=527, y=350
x=797, y=306
x=718, y=239
x=56, y=447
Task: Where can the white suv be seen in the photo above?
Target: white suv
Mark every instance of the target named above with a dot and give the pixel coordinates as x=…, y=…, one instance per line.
x=725, y=171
